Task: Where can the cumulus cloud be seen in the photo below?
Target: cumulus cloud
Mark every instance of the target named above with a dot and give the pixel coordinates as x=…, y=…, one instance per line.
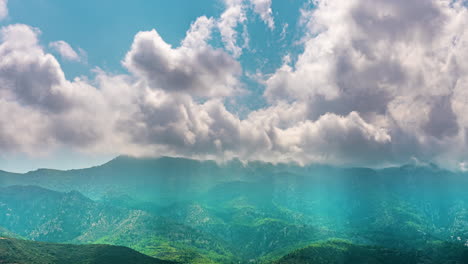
x=3, y=9
x=27, y=74
x=379, y=82
x=65, y=50
x=396, y=63
x=195, y=67
x=180, y=126
x=128, y=115
x=45, y=109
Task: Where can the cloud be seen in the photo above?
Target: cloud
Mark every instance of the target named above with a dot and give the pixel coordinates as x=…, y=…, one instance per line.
x=284, y=31
x=331, y=139
x=27, y=74
x=263, y=8
x=46, y=110
x=125, y=114
x=194, y=68
x=379, y=82
x=65, y=50
x=3, y=9
x=22, y=130
x=181, y=127
x=234, y=15
x=396, y=63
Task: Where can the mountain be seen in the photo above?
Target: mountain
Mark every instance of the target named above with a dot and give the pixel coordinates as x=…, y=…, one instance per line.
x=156, y=180
x=345, y=252
x=44, y=215
x=40, y=214
x=203, y=212
x=31, y=252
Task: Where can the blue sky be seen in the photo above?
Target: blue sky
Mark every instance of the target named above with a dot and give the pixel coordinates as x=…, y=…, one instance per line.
x=105, y=29
x=349, y=83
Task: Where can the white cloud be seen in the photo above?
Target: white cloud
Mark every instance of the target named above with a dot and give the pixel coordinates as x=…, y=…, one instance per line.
x=379, y=82
x=27, y=74
x=234, y=15
x=45, y=109
x=397, y=63
x=195, y=67
x=332, y=138
x=179, y=126
x=123, y=114
x=263, y=8
x=284, y=31
x=65, y=50
x=3, y=9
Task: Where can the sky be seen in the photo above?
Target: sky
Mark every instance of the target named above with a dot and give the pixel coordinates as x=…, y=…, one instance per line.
x=348, y=83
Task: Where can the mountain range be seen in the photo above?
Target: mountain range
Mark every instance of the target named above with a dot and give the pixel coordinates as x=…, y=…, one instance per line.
x=189, y=211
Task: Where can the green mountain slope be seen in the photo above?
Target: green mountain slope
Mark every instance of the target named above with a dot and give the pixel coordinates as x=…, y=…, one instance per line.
x=344, y=252
x=203, y=212
x=7, y=233
x=30, y=252
x=44, y=215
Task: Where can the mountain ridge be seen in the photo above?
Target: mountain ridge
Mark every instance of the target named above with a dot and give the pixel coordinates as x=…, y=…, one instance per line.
x=125, y=158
